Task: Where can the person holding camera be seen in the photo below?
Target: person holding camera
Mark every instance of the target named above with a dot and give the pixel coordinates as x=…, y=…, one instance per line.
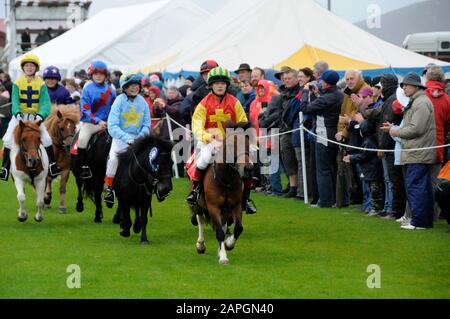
x=325, y=105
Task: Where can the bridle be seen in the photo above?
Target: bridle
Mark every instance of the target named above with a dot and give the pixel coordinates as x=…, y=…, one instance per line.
x=24, y=151
x=150, y=180
x=62, y=137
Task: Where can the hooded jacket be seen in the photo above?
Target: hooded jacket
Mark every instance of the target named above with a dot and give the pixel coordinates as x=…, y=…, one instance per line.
x=389, y=83
x=441, y=104
x=369, y=165
x=259, y=105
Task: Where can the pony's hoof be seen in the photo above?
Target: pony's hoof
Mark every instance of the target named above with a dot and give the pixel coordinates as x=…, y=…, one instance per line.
x=229, y=248
x=116, y=219
x=125, y=233
x=230, y=243
x=201, y=248
x=80, y=207
x=47, y=201
x=38, y=220
x=22, y=219
x=62, y=210
x=224, y=261
x=145, y=242
x=136, y=227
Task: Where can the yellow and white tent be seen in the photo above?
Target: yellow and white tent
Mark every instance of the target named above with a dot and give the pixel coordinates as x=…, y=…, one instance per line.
x=274, y=33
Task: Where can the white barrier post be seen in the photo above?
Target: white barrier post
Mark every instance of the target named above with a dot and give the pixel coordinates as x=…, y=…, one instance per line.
x=302, y=140
x=174, y=158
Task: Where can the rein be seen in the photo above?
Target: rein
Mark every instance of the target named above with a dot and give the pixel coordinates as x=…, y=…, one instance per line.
x=149, y=178
x=61, y=138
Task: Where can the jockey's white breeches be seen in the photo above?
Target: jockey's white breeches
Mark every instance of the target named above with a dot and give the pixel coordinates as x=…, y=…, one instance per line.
x=46, y=140
x=205, y=153
x=117, y=147
x=86, y=132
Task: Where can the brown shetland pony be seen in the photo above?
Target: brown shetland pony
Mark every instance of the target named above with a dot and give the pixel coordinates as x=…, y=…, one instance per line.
x=29, y=164
x=61, y=125
x=221, y=201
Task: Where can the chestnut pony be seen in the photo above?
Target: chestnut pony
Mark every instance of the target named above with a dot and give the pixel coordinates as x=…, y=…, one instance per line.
x=221, y=200
x=61, y=125
x=29, y=164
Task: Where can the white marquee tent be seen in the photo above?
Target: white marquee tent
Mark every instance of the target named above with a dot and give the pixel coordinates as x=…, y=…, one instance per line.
x=274, y=33
x=122, y=37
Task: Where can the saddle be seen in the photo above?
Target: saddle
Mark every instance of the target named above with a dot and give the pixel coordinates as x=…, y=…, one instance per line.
x=94, y=138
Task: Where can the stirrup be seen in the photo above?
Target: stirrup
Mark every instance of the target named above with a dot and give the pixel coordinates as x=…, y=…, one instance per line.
x=54, y=170
x=87, y=172
x=110, y=197
x=4, y=174
x=193, y=197
x=250, y=209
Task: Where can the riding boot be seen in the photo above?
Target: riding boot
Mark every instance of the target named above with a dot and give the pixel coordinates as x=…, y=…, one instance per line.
x=4, y=174
x=194, y=194
x=53, y=168
x=85, y=171
x=247, y=204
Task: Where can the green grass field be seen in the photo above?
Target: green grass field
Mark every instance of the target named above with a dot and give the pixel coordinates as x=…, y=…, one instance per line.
x=286, y=251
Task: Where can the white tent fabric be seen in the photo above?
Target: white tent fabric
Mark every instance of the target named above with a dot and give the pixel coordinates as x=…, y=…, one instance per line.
x=273, y=33
x=120, y=36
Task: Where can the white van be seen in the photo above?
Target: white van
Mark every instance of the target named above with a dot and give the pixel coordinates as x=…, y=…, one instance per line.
x=432, y=44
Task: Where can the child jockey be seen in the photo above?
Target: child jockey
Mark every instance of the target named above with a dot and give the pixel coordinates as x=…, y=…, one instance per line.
x=58, y=93
x=30, y=102
x=96, y=102
x=128, y=120
x=216, y=107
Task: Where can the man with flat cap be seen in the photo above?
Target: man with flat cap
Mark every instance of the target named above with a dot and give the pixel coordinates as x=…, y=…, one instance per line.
x=418, y=132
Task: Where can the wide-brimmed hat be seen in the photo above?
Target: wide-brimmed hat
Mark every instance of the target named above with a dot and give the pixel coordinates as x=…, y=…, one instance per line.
x=284, y=69
x=244, y=67
x=412, y=79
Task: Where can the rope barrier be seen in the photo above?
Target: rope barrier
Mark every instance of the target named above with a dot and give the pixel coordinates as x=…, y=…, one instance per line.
x=5, y=105
x=371, y=149
x=334, y=142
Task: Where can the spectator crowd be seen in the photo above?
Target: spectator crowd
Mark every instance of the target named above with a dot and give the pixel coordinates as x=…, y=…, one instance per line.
x=372, y=142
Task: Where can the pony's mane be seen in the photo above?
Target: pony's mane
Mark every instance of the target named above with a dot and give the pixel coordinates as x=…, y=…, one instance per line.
x=18, y=130
x=70, y=112
x=142, y=144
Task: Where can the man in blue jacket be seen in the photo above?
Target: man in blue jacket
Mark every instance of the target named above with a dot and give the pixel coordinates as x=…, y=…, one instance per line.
x=325, y=105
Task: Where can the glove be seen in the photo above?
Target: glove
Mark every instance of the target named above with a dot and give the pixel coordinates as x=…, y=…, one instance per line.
x=38, y=118
x=130, y=142
x=19, y=117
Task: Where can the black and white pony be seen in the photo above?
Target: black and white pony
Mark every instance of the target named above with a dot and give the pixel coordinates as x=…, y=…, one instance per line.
x=145, y=168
